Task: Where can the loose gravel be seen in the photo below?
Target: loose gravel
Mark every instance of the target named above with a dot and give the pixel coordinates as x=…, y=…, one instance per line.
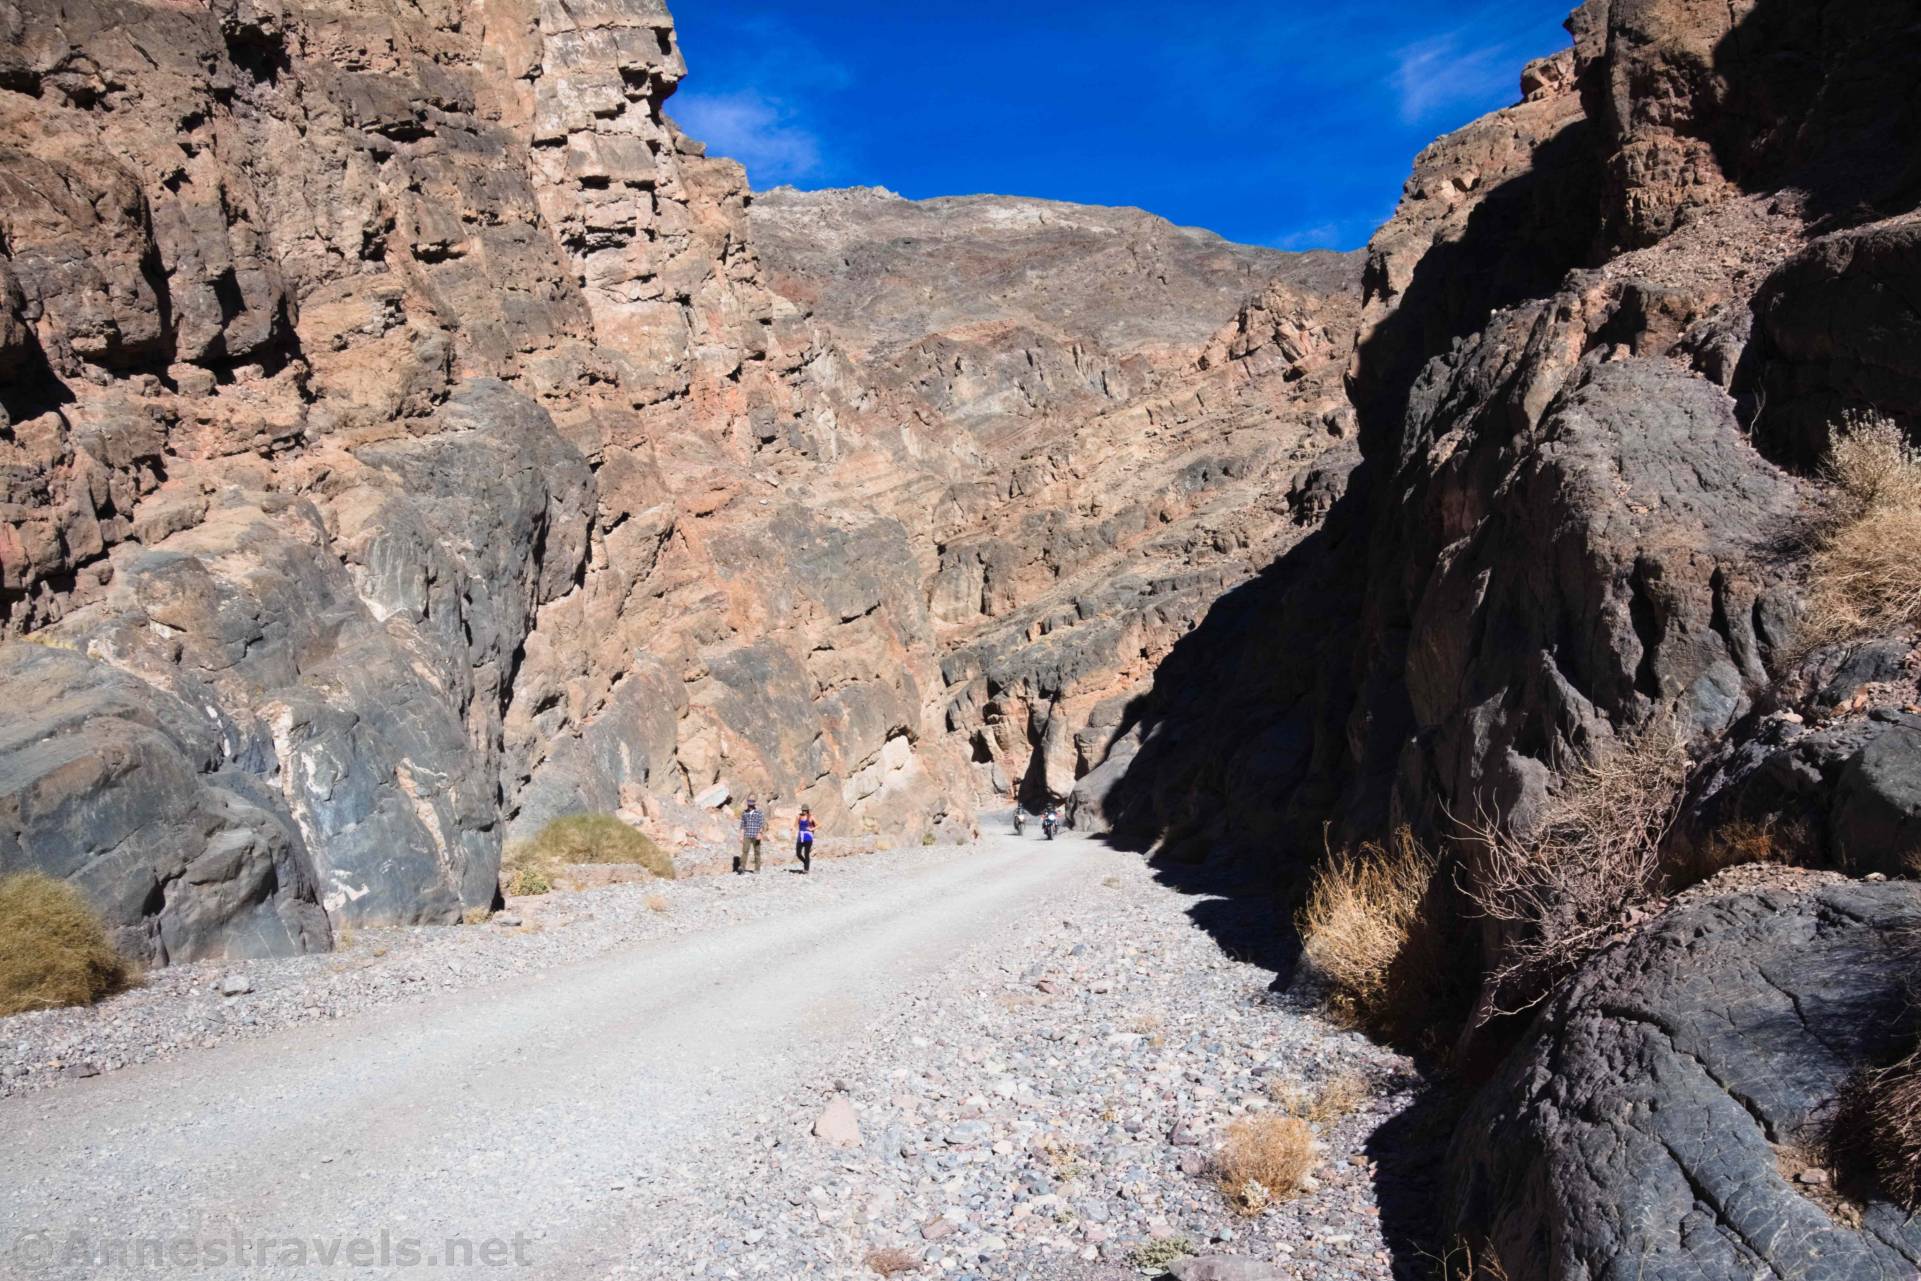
x=1044, y=1105
x=182, y=1008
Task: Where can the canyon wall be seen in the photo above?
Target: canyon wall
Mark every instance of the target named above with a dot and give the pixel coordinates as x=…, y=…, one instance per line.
x=1136, y=417
x=404, y=445
x=1603, y=344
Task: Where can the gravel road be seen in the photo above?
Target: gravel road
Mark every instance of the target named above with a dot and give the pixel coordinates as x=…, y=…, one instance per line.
x=647, y=1112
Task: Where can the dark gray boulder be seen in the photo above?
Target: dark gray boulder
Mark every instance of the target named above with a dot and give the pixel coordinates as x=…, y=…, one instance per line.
x=1639, y=1130
x=1837, y=332
x=121, y=787
x=287, y=716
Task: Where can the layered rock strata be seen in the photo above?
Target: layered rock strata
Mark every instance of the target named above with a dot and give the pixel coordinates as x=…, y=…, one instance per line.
x=404, y=446
x=1127, y=418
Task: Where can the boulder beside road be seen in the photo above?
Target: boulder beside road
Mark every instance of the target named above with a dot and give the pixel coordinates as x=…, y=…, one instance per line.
x=1655, y=1120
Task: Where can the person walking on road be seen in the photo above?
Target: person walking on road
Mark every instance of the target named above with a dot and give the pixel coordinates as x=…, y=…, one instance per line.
x=804, y=839
x=752, y=824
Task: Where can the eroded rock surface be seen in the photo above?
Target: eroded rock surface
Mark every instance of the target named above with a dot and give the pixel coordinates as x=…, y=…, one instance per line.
x=1138, y=416
x=393, y=389
x=1662, y=1116
x=401, y=429
x=1603, y=341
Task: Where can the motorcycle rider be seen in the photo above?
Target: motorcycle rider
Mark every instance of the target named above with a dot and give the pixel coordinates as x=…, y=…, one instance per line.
x=1051, y=822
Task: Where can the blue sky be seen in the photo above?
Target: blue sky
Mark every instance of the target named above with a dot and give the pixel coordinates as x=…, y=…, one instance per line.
x=1274, y=122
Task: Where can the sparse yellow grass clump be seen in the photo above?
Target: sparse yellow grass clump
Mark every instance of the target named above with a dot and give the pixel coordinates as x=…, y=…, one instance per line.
x=1740, y=843
x=1864, y=577
x=601, y=838
x=531, y=867
x=1264, y=1159
x=1361, y=913
x=1334, y=1101
x=1893, y=1097
x=53, y=949
x=1337, y=1099
x=520, y=875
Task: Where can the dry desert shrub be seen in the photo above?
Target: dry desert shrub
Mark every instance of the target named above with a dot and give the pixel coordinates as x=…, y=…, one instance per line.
x=1885, y=1108
x=1561, y=890
x=892, y=1261
x=53, y=949
x=521, y=873
x=1335, y=1100
x=1864, y=575
x=1264, y=1159
x=1464, y=1262
x=1741, y=843
x=532, y=867
x=1893, y=1099
x=1363, y=912
x=600, y=838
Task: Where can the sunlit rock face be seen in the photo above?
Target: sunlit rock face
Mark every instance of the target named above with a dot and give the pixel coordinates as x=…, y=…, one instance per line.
x=1117, y=421
x=404, y=445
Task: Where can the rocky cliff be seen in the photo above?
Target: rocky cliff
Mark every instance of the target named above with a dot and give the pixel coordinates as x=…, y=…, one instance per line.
x=400, y=450
x=405, y=445
x=1117, y=420
x=1605, y=342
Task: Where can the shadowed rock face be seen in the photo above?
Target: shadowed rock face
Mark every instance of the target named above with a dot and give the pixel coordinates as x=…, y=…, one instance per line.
x=1602, y=343
x=1657, y=1119
x=1599, y=337
x=400, y=433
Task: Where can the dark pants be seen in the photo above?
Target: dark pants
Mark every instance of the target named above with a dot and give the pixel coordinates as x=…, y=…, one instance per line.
x=804, y=851
x=748, y=845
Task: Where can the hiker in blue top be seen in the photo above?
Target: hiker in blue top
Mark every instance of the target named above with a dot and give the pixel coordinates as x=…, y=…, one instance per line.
x=752, y=821
x=804, y=839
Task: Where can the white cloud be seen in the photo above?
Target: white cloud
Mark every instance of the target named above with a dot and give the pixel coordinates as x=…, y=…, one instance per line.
x=1336, y=233
x=756, y=130
x=1439, y=73
x=1324, y=236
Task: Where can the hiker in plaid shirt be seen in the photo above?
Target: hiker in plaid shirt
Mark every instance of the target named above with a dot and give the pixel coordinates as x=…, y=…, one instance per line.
x=752, y=822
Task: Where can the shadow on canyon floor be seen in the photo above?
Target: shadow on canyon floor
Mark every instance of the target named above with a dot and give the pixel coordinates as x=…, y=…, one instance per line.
x=1239, y=908
x=1277, y=724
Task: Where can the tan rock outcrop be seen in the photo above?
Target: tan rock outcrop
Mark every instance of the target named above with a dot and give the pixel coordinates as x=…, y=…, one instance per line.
x=1117, y=420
